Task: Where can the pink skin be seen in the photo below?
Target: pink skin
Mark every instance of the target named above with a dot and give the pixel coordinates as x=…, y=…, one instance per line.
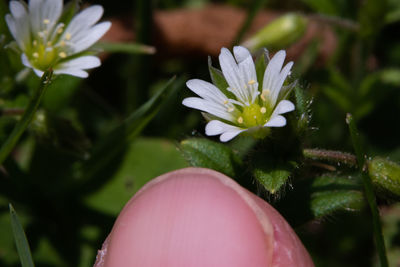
x=200, y=217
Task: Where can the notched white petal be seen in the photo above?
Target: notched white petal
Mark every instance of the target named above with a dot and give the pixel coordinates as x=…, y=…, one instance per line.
x=17, y=9
x=85, y=62
x=227, y=131
x=74, y=72
x=90, y=37
x=284, y=106
x=276, y=121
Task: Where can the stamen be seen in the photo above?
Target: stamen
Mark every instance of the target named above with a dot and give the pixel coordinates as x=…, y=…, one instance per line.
x=226, y=102
x=240, y=120
x=231, y=109
x=48, y=43
x=62, y=43
x=263, y=110
x=67, y=36
x=62, y=55
x=46, y=21
x=264, y=94
x=34, y=43
x=251, y=82
x=35, y=55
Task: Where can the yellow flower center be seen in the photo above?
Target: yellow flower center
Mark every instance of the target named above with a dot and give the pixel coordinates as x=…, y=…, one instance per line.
x=254, y=115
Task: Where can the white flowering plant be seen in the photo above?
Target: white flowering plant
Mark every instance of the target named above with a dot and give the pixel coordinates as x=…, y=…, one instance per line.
x=74, y=150
x=49, y=40
x=245, y=97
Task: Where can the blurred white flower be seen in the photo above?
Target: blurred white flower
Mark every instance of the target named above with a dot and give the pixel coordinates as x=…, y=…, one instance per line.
x=243, y=105
x=46, y=41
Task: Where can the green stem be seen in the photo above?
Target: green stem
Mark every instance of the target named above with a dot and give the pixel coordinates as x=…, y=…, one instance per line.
x=369, y=191
x=255, y=7
x=331, y=156
x=19, y=129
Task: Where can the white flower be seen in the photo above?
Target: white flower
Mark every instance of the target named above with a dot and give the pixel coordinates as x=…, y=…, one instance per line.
x=243, y=105
x=47, y=42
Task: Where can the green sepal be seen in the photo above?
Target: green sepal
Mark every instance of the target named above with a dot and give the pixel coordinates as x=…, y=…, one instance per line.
x=272, y=176
x=261, y=64
x=107, y=150
x=385, y=176
x=219, y=80
x=204, y=153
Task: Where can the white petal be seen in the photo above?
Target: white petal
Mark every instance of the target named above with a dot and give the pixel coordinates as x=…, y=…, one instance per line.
x=76, y=67
x=241, y=53
x=74, y=72
x=273, y=69
x=25, y=61
x=51, y=10
x=18, y=23
x=283, y=106
x=38, y=72
x=17, y=9
x=232, y=74
x=92, y=35
x=276, y=121
x=84, y=20
x=227, y=131
x=85, y=62
x=207, y=106
x=11, y=26
x=248, y=72
x=206, y=90
x=279, y=80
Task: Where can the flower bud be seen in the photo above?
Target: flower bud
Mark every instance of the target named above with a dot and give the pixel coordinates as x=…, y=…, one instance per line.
x=278, y=34
x=200, y=217
x=385, y=176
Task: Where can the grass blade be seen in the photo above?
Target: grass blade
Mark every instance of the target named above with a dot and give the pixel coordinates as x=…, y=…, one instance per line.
x=21, y=242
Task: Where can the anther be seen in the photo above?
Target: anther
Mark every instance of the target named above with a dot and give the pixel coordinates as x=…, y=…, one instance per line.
x=62, y=55
x=67, y=36
x=251, y=82
x=263, y=110
x=34, y=43
x=35, y=55
x=226, y=102
x=46, y=21
x=240, y=120
x=230, y=109
x=264, y=94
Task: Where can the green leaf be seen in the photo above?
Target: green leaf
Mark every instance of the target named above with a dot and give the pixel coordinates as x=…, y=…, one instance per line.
x=128, y=48
x=20, y=240
x=371, y=16
x=145, y=159
x=204, y=153
x=329, y=7
x=272, y=180
x=331, y=194
x=107, y=149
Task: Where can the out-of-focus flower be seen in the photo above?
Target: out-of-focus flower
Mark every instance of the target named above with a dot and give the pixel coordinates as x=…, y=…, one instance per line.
x=47, y=40
x=245, y=105
x=200, y=217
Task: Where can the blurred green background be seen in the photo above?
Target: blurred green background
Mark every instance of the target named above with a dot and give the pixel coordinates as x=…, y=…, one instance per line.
x=81, y=160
